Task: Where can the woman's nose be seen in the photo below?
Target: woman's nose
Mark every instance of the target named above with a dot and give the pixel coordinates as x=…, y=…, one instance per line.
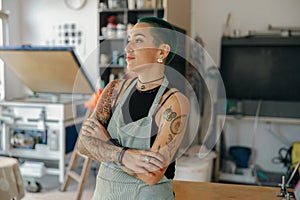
x=128, y=48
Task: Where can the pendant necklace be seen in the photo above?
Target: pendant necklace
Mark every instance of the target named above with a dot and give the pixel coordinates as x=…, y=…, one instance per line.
x=142, y=87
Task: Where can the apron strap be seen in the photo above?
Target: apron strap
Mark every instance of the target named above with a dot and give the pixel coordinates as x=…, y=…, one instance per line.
x=158, y=96
x=126, y=93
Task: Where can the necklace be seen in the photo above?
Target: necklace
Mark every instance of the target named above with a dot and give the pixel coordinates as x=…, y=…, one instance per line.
x=142, y=87
x=148, y=91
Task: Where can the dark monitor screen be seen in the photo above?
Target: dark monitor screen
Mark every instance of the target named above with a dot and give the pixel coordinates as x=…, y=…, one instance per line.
x=261, y=68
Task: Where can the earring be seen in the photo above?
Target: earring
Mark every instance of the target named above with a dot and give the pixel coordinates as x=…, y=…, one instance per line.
x=159, y=60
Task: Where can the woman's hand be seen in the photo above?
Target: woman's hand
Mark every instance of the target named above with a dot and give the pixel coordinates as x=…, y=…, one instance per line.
x=143, y=161
x=93, y=138
x=92, y=127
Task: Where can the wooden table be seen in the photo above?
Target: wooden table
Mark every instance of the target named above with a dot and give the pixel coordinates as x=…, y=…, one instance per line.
x=217, y=191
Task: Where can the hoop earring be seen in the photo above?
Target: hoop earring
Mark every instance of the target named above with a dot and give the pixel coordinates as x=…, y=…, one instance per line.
x=159, y=60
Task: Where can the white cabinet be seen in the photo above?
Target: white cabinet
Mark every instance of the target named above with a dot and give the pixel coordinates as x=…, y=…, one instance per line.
x=54, y=135
x=43, y=126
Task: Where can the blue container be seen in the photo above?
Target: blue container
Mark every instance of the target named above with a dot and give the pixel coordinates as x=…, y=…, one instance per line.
x=241, y=155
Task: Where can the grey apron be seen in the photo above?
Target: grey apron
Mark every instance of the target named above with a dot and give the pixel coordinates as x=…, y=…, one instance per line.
x=114, y=184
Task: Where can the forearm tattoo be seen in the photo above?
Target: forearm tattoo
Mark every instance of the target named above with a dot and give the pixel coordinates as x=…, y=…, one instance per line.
x=170, y=138
x=171, y=147
x=100, y=150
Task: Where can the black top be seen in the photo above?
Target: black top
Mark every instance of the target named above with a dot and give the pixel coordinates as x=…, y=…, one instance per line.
x=139, y=104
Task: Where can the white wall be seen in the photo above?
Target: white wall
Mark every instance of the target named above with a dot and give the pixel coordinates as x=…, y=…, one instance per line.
x=14, y=9
x=32, y=22
x=13, y=87
x=208, y=19
x=38, y=18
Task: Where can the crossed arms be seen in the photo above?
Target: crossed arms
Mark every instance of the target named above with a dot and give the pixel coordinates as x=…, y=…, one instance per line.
x=171, y=119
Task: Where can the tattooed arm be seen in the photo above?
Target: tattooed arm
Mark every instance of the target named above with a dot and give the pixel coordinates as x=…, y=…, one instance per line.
x=171, y=120
x=93, y=135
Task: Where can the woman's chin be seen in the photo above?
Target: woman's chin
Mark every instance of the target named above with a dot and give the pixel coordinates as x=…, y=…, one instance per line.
x=138, y=68
x=133, y=68
x=130, y=68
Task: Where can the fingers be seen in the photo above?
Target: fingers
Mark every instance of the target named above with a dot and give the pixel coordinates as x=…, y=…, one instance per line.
x=156, y=158
x=91, y=121
x=90, y=126
x=141, y=161
x=152, y=163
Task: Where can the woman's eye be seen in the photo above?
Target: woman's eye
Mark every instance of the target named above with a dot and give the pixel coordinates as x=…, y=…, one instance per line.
x=138, y=41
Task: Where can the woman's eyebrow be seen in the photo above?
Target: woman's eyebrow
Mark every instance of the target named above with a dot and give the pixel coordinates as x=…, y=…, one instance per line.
x=139, y=34
x=135, y=35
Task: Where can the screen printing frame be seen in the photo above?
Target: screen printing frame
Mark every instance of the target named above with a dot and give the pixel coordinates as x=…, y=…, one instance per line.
x=55, y=70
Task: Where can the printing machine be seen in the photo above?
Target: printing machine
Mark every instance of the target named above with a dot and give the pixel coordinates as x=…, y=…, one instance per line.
x=44, y=126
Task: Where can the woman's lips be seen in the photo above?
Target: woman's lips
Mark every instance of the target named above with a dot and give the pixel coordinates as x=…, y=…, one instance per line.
x=128, y=58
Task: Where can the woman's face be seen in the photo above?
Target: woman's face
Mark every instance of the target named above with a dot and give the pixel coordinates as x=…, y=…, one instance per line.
x=141, y=50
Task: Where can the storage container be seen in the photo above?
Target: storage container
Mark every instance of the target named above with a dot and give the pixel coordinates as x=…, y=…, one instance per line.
x=195, y=168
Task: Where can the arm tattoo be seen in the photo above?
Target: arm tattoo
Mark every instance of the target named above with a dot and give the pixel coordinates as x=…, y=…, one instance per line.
x=176, y=127
x=171, y=146
x=178, y=124
x=170, y=138
x=103, y=110
x=100, y=149
x=169, y=115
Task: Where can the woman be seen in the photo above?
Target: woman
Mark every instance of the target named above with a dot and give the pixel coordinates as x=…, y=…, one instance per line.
x=138, y=124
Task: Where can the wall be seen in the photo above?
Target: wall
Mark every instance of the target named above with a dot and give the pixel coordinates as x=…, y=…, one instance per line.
x=14, y=7
x=12, y=85
x=184, y=21
x=34, y=22
x=208, y=19
x=38, y=18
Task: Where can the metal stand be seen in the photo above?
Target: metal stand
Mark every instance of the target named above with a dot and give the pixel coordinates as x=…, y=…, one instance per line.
x=283, y=190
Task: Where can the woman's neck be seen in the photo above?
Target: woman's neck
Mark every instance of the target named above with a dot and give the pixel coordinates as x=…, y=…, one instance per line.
x=150, y=80
x=150, y=74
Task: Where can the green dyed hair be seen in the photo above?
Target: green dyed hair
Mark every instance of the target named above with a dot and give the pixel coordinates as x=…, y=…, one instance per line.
x=163, y=32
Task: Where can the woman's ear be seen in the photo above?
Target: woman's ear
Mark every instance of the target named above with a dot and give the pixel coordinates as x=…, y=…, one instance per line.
x=165, y=50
